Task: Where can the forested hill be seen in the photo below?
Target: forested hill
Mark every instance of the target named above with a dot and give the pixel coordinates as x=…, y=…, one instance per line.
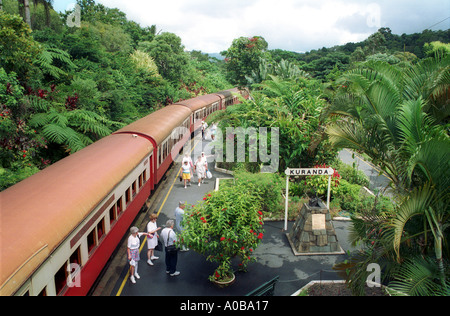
x=382, y=45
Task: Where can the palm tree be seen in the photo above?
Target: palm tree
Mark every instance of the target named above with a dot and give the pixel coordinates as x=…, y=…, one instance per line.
x=391, y=116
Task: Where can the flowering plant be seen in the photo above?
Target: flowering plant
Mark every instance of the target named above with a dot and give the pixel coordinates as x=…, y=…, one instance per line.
x=227, y=224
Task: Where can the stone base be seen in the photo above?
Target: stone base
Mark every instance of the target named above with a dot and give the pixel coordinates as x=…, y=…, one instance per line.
x=313, y=232
x=339, y=251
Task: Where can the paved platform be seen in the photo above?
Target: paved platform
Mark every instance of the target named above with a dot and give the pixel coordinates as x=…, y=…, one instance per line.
x=274, y=256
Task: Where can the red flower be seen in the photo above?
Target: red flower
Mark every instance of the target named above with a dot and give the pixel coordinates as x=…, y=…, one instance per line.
x=260, y=213
x=204, y=199
x=260, y=236
x=222, y=238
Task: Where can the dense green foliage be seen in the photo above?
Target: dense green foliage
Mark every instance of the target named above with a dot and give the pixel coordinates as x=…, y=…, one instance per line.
x=398, y=117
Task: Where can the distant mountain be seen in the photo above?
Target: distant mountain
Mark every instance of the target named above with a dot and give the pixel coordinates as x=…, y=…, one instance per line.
x=217, y=55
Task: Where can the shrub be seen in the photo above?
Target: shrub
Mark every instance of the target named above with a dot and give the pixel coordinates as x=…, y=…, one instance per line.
x=269, y=186
x=228, y=223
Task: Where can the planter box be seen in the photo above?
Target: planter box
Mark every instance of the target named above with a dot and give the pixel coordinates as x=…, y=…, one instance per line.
x=341, y=282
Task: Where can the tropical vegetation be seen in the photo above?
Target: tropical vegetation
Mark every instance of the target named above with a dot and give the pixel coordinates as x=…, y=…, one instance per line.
x=62, y=87
x=399, y=119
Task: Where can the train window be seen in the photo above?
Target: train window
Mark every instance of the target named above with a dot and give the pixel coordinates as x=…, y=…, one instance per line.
x=61, y=278
x=112, y=214
x=144, y=175
x=75, y=258
x=119, y=206
x=43, y=292
x=140, y=181
x=133, y=189
x=159, y=156
x=127, y=196
x=101, y=229
x=91, y=240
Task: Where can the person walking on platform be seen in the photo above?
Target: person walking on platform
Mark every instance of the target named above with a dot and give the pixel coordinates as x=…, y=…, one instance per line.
x=152, y=229
x=169, y=238
x=200, y=168
x=133, y=252
x=186, y=173
x=179, y=213
x=204, y=127
x=187, y=158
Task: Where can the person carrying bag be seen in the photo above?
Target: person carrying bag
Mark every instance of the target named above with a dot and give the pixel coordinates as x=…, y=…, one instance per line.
x=169, y=238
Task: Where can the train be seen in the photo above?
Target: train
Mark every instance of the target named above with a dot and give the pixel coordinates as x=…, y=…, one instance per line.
x=60, y=226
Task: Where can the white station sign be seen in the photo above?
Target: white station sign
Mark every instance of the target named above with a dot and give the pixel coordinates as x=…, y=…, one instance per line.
x=295, y=172
x=309, y=172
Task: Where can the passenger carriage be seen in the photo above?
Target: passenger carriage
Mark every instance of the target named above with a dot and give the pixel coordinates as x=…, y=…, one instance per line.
x=64, y=222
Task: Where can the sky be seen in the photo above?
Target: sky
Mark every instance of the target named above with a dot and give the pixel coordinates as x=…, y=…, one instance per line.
x=293, y=25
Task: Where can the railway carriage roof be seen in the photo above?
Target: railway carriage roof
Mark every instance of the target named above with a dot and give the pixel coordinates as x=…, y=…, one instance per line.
x=199, y=102
x=41, y=211
x=160, y=124
x=229, y=92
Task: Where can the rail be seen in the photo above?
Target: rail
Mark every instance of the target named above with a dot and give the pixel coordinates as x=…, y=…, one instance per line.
x=267, y=289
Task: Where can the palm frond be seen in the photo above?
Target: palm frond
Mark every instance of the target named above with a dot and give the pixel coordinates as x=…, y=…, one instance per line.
x=417, y=277
x=418, y=201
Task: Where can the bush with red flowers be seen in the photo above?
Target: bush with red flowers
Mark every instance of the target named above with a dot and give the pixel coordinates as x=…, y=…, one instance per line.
x=226, y=224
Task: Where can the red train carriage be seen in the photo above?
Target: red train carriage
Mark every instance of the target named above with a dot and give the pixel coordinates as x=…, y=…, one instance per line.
x=200, y=107
x=231, y=96
x=72, y=214
x=158, y=128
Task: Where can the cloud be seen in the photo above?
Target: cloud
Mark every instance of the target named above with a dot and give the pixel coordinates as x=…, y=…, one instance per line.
x=211, y=26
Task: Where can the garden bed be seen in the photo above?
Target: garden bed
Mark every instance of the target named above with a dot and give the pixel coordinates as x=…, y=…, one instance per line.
x=336, y=288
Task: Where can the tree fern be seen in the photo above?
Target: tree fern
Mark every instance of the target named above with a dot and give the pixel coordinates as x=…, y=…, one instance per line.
x=45, y=60
x=56, y=133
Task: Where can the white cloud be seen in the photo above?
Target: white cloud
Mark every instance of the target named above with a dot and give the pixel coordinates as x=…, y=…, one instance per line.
x=294, y=25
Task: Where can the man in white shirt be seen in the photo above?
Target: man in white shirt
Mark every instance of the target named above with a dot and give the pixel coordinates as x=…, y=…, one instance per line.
x=169, y=239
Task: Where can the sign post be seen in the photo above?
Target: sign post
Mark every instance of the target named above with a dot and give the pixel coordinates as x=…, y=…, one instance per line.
x=306, y=172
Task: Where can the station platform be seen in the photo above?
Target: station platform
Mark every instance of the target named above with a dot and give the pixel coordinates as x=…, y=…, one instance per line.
x=274, y=255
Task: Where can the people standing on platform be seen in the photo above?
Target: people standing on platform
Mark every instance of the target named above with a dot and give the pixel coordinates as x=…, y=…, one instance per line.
x=186, y=173
x=152, y=230
x=200, y=167
x=169, y=239
x=133, y=252
x=179, y=213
